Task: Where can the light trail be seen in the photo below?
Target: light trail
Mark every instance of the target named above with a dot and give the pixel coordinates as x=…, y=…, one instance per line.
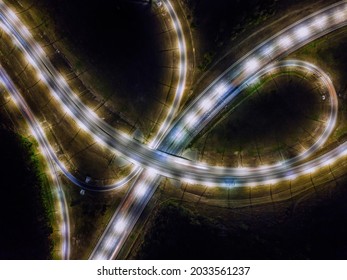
x=220, y=93
x=163, y=160
x=143, y=188
x=130, y=213
x=88, y=121
x=38, y=133
x=182, y=73
x=141, y=192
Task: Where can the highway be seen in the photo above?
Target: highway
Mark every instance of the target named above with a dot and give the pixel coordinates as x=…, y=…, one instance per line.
x=143, y=188
x=39, y=134
x=159, y=158
x=182, y=75
x=198, y=114
x=202, y=111
x=46, y=150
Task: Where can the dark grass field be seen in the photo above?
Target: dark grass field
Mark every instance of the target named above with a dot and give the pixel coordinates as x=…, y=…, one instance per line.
x=315, y=230
x=219, y=22
x=119, y=44
x=281, y=106
x=25, y=228
x=117, y=37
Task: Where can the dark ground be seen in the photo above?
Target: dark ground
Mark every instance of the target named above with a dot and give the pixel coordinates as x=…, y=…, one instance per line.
x=119, y=43
x=219, y=22
x=24, y=224
x=281, y=108
x=315, y=230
